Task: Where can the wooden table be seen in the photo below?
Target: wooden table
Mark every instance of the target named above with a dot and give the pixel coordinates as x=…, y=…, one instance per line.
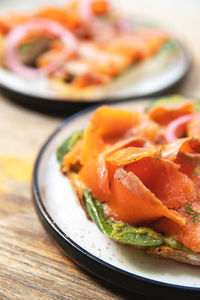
x=31, y=265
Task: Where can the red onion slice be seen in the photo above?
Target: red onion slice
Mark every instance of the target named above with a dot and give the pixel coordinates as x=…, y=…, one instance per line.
x=18, y=33
x=177, y=128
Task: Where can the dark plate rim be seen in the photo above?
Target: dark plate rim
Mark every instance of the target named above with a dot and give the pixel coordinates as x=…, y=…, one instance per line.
x=84, y=258
x=61, y=101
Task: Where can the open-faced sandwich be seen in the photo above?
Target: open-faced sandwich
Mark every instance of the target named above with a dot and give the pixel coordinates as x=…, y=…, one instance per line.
x=137, y=176
x=81, y=48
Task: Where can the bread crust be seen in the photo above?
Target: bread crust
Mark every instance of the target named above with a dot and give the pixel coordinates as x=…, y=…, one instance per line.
x=191, y=258
x=78, y=188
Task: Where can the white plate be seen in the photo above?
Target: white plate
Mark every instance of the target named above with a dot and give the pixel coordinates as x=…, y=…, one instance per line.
x=65, y=219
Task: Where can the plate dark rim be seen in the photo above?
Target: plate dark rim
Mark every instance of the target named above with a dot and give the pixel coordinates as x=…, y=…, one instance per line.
x=34, y=100
x=91, y=263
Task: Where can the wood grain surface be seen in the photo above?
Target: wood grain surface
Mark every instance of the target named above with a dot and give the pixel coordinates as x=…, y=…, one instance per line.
x=31, y=265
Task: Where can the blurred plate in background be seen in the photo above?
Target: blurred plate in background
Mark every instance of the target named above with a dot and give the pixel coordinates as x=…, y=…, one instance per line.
x=153, y=76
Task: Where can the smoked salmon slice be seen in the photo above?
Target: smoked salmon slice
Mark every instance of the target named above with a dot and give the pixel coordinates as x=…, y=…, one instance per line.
x=133, y=203
x=188, y=235
x=128, y=155
x=146, y=128
x=163, y=114
x=106, y=127
x=96, y=172
x=165, y=181
x=74, y=155
x=185, y=152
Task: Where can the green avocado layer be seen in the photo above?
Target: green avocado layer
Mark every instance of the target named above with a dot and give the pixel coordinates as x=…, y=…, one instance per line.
x=67, y=145
x=124, y=233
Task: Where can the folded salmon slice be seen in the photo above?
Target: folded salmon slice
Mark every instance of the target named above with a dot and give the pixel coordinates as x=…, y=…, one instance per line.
x=185, y=152
x=163, y=115
x=188, y=235
x=185, y=145
x=106, y=127
x=74, y=155
x=96, y=173
x=128, y=155
x=195, y=177
x=146, y=128
x=133, y=203
x=95, y=176
x=165, y=181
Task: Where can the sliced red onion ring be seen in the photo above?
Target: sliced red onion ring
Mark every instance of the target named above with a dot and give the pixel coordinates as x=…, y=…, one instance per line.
x=18, y=33
x=177, y=128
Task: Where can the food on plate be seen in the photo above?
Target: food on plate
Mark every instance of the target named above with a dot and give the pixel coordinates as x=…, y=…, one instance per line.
x=80, y=47
x=138, y=177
